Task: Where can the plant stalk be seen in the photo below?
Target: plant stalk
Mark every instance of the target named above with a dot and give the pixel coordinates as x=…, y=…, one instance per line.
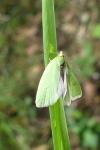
x=57, y=114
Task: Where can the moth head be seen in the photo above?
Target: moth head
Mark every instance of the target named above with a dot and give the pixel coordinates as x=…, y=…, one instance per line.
x=61, y=58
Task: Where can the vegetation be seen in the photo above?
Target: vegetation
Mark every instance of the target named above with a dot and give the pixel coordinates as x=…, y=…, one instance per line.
x=21, y=126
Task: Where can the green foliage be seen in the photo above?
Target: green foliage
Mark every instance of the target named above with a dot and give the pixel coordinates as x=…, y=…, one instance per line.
x=13, y=116
x=96, y=31
x=16, y=110
x=87, y=61
x=86, y=127
x=90, y=139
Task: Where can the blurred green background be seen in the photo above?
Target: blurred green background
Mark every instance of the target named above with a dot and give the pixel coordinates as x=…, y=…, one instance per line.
x=22, y=125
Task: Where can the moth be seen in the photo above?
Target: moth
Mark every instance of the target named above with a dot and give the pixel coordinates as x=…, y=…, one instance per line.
x=57, y=81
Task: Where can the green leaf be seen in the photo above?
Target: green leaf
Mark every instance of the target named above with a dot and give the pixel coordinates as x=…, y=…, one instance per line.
x=96, y=31
x=90, y=139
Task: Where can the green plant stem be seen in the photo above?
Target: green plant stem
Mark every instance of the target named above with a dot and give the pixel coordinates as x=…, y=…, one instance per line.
x=57, y=115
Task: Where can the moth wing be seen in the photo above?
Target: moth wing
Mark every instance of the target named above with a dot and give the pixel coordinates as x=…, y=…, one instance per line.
x=74, y=87
x=49, y=87
x=67, y=99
